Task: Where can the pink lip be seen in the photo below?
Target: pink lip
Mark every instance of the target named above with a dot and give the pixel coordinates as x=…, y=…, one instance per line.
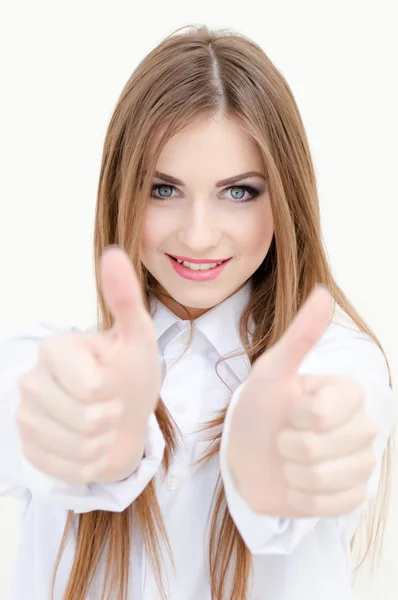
x=201, y=261
x=197, y=275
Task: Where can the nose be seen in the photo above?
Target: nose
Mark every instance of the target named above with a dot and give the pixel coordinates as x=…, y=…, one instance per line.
x=200, y=230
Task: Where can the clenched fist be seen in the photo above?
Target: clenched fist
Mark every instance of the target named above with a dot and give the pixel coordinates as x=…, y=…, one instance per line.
x=85, y=404
x=301, y=445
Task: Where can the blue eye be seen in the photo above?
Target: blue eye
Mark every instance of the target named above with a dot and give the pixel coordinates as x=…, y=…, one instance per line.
x=246, y=188
x=159, y=186
x=254, y=193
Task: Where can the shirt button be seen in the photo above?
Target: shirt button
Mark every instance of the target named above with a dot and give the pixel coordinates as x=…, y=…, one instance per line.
x=179, y=408
x=171, y=483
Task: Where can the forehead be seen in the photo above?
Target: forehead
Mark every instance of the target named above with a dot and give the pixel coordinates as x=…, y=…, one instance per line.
x=216, y=147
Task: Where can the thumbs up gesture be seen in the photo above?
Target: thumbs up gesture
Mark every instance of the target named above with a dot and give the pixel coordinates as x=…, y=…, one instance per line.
x=85, y=404
x=300, y=445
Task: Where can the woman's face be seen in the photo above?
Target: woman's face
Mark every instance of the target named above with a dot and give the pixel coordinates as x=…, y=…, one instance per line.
x=201, y=218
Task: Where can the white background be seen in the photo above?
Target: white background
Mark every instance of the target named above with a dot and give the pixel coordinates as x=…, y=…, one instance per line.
x=63, y=66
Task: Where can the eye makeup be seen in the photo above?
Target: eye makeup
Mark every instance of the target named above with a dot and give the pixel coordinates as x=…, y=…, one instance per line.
x=254, y=192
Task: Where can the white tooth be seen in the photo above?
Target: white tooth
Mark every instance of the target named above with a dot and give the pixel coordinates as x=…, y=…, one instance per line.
x=193, y=266
x=199, y=267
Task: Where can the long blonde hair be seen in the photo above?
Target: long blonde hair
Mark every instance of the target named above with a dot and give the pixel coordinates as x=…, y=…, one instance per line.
x=196, y=74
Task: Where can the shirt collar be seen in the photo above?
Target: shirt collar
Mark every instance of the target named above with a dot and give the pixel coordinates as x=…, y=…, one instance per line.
x=220, y=326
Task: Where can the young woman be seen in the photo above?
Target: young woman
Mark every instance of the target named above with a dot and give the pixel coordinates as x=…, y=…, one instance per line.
x=217, y=434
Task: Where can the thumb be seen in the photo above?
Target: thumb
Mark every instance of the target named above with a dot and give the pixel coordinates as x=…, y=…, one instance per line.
x=308, y=326
x=121, y=291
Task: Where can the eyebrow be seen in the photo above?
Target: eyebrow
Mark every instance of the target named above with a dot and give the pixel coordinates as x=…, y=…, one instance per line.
x=227, y=181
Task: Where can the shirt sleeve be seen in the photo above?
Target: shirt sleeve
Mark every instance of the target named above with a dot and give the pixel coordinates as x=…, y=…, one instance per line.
x=345, y=352
x=22, y=480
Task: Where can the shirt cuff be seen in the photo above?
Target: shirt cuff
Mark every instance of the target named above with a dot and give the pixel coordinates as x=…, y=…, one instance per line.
x=261, y=533
x=114, y=496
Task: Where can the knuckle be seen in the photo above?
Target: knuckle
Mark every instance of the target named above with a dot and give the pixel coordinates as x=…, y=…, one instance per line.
x=308, y=448
x=90, y=427
x=320, y=418
x=314, y=505
x=319, y=409
x=88, y=451
x=319, y=476
x=28, y=384
x=23, y=419
x=49, y=347
x=91, y=389
x=93, y=386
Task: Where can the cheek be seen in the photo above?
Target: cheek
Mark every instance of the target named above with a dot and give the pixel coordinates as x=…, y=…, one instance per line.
x=155, y=230
x=256, y=231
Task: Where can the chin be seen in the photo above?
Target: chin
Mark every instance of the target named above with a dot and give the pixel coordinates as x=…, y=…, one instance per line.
x=204, y=300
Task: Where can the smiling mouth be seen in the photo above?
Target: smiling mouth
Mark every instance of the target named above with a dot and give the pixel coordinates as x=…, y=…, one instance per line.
x=198, y=265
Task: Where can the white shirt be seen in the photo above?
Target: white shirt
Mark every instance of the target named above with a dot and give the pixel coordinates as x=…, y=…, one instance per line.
x=294, y=559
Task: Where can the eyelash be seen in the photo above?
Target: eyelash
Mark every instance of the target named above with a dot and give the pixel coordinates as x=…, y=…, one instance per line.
x=248, y=188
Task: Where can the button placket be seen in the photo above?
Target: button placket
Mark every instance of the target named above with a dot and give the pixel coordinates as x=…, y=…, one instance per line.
x=171, y=483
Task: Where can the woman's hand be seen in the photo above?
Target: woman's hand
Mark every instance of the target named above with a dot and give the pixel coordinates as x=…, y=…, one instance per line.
x=85, y=404
x=301, y=445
